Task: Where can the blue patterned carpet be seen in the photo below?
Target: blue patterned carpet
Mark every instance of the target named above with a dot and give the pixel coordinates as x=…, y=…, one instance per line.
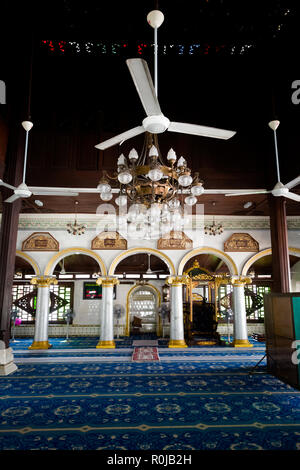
x=202, y=399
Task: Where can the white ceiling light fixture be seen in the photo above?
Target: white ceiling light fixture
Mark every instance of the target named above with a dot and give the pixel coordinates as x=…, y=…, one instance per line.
x=248, y=204
x=279, y=188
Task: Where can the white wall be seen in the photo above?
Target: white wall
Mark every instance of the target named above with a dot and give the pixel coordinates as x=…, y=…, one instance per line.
x=88, y=311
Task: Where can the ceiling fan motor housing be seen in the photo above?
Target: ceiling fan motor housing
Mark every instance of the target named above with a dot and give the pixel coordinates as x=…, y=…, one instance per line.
x=156, y=124
x=23, y=191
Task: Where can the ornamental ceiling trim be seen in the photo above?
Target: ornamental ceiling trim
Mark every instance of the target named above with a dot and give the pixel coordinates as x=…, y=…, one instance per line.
x=58, y=222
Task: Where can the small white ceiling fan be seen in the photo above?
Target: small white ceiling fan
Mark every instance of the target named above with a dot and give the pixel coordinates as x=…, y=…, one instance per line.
x=23, y=191
x=279, y=188
x=155, y=122
x=149, y=270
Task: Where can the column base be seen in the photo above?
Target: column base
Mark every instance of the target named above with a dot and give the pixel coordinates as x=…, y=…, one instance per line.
x=106, y=345
x=7, y=365
x=40, y=345
x=241, y=343
x=177, y=343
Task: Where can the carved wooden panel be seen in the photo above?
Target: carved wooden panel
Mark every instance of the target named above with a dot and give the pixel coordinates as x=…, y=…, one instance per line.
x=241, y=242
x=40, y=241
x=175, y=240
x=109, y=241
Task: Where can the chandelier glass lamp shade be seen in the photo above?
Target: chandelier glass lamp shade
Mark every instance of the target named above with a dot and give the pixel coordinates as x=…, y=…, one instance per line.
x=75, y=228
x=152, y=190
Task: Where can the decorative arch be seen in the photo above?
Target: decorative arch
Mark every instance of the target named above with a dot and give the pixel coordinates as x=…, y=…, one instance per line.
x=266, y=252
x=74, y=251
x=133, y=251
x=131, y=290
x=30, y=260
x=208, y=250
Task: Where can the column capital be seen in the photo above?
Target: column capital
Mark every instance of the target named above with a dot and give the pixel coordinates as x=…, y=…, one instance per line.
x=178, y=280
x=107, y=281
x=240, y=280
x=43, y=281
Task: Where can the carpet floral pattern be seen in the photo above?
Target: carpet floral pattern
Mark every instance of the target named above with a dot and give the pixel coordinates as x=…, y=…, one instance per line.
x=190, y=404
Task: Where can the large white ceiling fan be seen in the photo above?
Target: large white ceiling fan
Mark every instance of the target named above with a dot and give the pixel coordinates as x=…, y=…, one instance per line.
x=155, y=122
x=23, y=191
x=279, y=189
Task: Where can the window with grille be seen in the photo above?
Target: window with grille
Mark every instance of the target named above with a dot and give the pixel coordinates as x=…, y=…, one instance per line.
x=63, y=290
x=258, y=315
x=18, y=291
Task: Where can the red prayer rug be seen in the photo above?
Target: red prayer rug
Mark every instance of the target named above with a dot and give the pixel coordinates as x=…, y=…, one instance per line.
x=145, y=354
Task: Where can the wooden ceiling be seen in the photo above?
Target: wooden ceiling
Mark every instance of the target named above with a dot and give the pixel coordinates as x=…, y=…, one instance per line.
x=80, y=99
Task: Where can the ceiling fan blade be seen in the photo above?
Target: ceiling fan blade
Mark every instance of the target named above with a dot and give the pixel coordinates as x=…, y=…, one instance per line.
x=120, y=138
x=293, y=183
x=234, y=192
x=143, y=82
x=13, y=198
x=293, y=196
x=248, y=193
x=7, y=185
x=205, y=131
x=54, y=193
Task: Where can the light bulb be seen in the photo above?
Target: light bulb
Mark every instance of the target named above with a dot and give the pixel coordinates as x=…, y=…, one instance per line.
x=171, y=155
x=181, y=162
x=155, y=174
x=104, y=187
x=122, y=160
x=185, y=180
x=124, y=177
x=121, y=201
x=174, y=203
x=133, y=155
x=197, y=190
x=190, y=200
x=106, y=196
x=153, y=151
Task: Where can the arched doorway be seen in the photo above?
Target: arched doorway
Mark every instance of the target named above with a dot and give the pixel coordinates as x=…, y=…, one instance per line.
x=142, y=306
x=77, y=273
x=224, y=257
x=114, y=267
x=141, y=274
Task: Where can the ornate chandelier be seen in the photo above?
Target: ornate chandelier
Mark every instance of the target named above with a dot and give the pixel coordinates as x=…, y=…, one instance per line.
x=75, y=228
x=152, y=191
x=213, y=229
